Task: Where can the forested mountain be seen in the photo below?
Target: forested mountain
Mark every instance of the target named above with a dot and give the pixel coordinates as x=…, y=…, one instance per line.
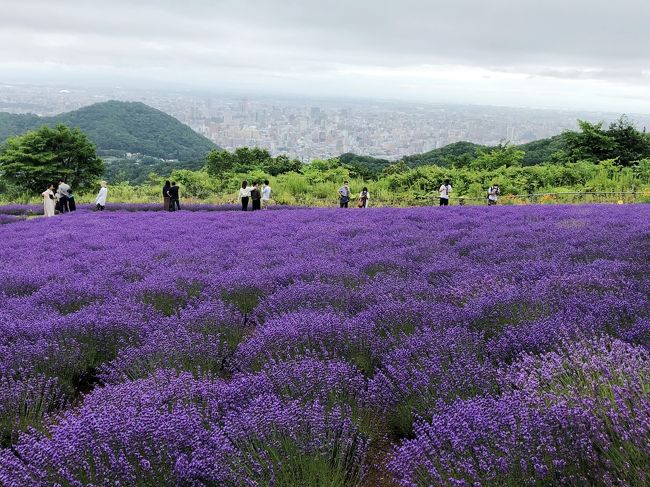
x=119, y=127
x=621, y=141
x=540, y=151
x=444, y=156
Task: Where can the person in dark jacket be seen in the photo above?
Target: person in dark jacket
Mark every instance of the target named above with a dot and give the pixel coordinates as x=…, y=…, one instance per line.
x=165, y=193
x=72, y=205
x=256, y=197
x=174, y=198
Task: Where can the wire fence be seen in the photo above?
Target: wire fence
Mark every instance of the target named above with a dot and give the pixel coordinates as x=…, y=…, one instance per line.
x=563, y=197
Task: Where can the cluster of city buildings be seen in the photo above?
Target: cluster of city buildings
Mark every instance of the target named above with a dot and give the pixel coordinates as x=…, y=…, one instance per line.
x=318, y=129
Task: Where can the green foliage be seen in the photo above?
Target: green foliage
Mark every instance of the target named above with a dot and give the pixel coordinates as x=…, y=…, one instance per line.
x=621, y=142
x=630, y=144
x=544, y=150
x=643, y=171
x=137, y=171
x=39, y=158
x=244, y=159
x=196, y=184
x=245, y=299
x=501, y=156
x=119, y=127
x=573, y=161
x=363, y=166
x=456, y=154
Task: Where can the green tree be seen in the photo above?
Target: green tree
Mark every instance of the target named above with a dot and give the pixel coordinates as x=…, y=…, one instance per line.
x=395, y=168
x=630, y=145
x=218, y=162
x=591, y=143
x=36, y=159
x=621, y=141
x=502, y=155
x=245, y=159
x=643, y=170
x=281, y=165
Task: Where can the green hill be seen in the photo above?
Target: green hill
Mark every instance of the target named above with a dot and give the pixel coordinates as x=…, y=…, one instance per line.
x=458, y=153
x=444, y=156
x=119, y=127
x=540, y=151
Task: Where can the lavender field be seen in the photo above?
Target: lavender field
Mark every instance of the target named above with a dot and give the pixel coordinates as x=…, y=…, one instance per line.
x=384, y=347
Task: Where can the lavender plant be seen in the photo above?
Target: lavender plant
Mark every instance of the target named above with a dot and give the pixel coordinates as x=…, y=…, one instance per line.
x=417, y=347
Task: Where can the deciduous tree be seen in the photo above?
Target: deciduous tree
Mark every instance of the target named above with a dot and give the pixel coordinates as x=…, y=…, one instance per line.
x=38, y=158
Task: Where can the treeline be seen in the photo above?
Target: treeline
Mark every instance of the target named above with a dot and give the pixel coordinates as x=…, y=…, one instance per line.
x=592, y=158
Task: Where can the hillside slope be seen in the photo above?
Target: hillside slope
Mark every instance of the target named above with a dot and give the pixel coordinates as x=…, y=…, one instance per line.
x=124, y=127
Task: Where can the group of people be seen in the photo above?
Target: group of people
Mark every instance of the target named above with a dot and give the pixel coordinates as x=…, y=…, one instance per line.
x=345, y=194
x=171, y=196
x=260, y=198
x=493, y=193
x=445, y=190
x=60, y=199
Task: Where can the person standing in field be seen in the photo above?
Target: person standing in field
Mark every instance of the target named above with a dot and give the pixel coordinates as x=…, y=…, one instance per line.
x=493, y=194
x=48, y=201
x=165, y=193
x=445, y=189
x=244, y=195
x=364, y=197
x=100, y=201
x=266, y=194
x=174, y=198
x=344, y=195
x=256, y=197
x=62, y=195
x=72, y=205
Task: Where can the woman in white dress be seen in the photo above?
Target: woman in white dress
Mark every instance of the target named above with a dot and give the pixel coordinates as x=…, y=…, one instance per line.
x=48, y=201
x=100, y=202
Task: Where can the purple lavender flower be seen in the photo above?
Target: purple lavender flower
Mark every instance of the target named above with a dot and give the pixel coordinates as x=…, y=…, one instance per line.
x=212, y=347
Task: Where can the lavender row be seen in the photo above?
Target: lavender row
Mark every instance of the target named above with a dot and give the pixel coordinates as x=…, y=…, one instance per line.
x=455, y=346
x=35, y=210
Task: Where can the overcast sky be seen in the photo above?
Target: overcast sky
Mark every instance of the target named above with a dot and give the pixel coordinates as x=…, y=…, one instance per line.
x=577, y=54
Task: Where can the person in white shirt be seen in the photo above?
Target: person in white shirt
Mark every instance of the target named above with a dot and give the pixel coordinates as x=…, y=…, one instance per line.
x=266, y=194
x=493, y=194
x=48, y=201
x=344, y=195
x=100, y=202
x=445, y=189
x=244, y=194
x=62, y=195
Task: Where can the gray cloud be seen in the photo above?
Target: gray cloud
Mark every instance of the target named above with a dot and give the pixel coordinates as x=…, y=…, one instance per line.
x=298, y=42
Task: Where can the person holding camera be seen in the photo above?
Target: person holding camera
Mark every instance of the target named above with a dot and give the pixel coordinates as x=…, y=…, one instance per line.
x=493, y=194
x=444, y=190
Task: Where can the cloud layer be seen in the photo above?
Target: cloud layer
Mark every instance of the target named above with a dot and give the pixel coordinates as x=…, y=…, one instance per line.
x=553, y=53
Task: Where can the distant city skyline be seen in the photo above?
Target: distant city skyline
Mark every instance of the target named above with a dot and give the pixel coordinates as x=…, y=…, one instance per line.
x=319, y=128
x=578, y=55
